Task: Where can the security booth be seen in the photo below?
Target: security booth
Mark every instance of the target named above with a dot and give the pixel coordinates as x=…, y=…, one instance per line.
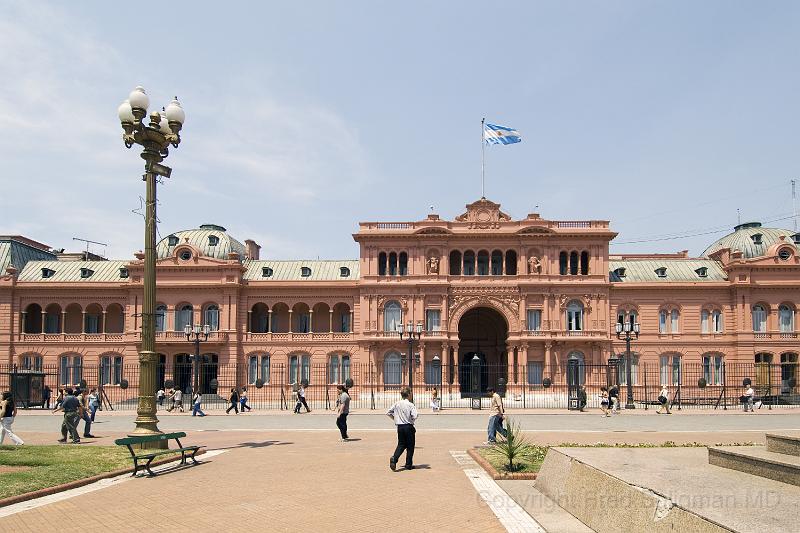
x=575, y=372
x=27, y=387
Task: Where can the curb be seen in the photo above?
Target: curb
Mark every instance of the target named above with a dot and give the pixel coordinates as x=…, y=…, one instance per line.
x=11, y=500
x=486, y=465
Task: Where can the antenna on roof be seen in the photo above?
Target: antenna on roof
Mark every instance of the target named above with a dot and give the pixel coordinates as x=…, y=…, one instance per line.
x=794, y=205
x=738, y=216
x=87, y=241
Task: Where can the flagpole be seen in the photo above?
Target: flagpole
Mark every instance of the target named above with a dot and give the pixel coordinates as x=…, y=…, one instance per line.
x=483, y=159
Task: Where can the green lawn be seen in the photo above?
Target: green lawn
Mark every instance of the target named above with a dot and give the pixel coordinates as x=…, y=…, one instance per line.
x=54, y=465
x=529, y=462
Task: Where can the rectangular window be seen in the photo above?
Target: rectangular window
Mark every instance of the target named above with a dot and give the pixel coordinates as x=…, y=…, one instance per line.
x=432, y=320
x=344, y=327
x=77, y=370
x=265, y=369
x=623, y=372
x=713, y=369
x=252, y=370
x=704, y=321
x=303, y=323
x=105, y=370
x=534, y=319
x=662, y=322
x=535, y=371
x=670, y=369
x=674, y=325
x=716, y=321
x=51, y=323
x=117, y=370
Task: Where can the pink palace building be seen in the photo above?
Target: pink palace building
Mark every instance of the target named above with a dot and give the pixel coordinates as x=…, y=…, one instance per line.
x=530, y=305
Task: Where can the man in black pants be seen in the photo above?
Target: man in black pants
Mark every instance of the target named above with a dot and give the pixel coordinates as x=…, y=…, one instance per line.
x=404, y=414
x=343, y=409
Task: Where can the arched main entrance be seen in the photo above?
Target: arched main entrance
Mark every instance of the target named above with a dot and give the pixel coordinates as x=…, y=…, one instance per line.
x=482, y=335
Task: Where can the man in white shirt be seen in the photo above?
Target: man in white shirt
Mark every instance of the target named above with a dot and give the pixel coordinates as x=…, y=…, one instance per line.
x=496, y=419
x=404, y=414
x=748, y=398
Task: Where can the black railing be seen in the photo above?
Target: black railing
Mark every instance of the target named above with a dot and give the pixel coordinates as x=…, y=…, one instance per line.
x=274, y=387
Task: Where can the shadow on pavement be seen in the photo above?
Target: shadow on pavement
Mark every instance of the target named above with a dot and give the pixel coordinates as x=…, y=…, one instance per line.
x=262, y=444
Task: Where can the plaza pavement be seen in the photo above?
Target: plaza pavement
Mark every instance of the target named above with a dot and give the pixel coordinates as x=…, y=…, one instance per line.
x=284, y=472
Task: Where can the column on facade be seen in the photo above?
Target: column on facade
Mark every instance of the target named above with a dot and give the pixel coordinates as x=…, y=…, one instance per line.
x=510, y=358
x=352, y=318
x=44, y=317
x=522, y=362
x=290, y=320
x=522, y=268
x=523, y=310
x=330, y=321
x=456, y=363
x=547, y=370
x=269, y=320
x=249, y=320
x=444, y=263
x=23, y=321
x=310, y=320
x=83, y=322
x=63, y=321
x=104, y=321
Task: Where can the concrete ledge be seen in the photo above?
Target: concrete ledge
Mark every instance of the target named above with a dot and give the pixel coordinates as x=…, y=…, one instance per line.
x=757, y=461
x=492, y=471
x=608, y=504
x=786, y=444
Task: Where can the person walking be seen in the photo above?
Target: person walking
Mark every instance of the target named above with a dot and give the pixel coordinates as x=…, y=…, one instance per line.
x=496, y=419
x=747, y=399
x=94, y=403
x=196, y=401
x=46, y=393
x=234, y=399
x=604, y=401
x=613, y=398
x=243, y=400
x=177, y=398
x=342, y=409
x=404, y=414
x=663, y=400
x=59, y=398
x=581, y=398
x=301, y=398
x=73, y=412
x=8, y=411
x=435, y=400
x=83, y=396
x=160, y=395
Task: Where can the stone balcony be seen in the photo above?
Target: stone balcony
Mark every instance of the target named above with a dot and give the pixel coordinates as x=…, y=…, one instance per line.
x=298, y=337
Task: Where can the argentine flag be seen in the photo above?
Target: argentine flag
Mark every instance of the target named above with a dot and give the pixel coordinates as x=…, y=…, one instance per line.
x=494, y=134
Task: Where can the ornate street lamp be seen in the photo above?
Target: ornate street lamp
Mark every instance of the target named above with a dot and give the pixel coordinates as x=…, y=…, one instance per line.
x=154, y=138
x=628, y=331
x=411, y=332
x=196, y=332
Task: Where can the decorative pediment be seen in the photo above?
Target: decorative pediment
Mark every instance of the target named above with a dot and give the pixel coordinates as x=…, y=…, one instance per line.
x=483, y=214
x=534, y=230
x=434, y=231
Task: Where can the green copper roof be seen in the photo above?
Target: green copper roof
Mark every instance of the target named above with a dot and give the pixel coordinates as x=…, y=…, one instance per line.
x=293, y=270
x=199, y=238
x=70, y=271
x=18, y=254
x=743, y=239
x=677, y=270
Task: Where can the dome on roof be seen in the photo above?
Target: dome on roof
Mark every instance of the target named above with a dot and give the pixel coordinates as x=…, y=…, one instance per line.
x=752, y=239
x=212, y=241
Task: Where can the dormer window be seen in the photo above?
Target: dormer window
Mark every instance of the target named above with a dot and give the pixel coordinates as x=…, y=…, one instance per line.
x=48, y=273
x=620, y=272
x=213, y=240
x=796, y=238
x=305, y=272
x=266, y=272
x=344, y=272
x=784, y=254
x=702, y=272
x=172, y=240
x=661, y=272
x=86, y=273
x=123, y=272
x=756, y=238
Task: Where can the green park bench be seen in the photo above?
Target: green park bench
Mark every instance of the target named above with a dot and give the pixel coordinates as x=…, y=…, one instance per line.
x=149, y=455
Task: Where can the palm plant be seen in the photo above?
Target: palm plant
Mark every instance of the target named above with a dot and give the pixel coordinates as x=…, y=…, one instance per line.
x=511, y=447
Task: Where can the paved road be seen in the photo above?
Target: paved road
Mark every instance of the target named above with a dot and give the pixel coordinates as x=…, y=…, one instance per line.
x=590, y=422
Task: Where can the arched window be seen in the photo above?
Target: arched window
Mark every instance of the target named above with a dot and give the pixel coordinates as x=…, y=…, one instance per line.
x=573, y=263
x=32, y=320
x=511, y=263
x=788, y=373
x=713, y=369
x=382, y=264
x=211, y=317
x=622, y=370
x=626, y=316
x=403, y=267
x=70, y=370
x=184, y=316
x=563, y=268
x=576, y=369
x=338, y=368
x=161, y=317
x=483, y=263
x=469, y=263
x=670, y=369
x=252, y=369
x=575, y=316
x=455, y=263
x=111, y=370
x=497, y=263
x=392, y=316
x=662, y=321
x=300, y=368
x=759, y=319
x=674, y=320
x=258, y=367
x=392, y=369
x=584, y=263
x=52, y=319
x=786, y=319
x=392, y=264
x=716, y=321
x=30, y=362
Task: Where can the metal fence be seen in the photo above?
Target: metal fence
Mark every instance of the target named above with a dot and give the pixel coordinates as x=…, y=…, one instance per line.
x=273, y=386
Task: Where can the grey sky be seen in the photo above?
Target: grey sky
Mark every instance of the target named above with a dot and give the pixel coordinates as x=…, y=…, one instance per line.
x=304, y=118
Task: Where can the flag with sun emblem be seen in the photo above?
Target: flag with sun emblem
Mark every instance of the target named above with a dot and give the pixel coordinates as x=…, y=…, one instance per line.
x=494, y=134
